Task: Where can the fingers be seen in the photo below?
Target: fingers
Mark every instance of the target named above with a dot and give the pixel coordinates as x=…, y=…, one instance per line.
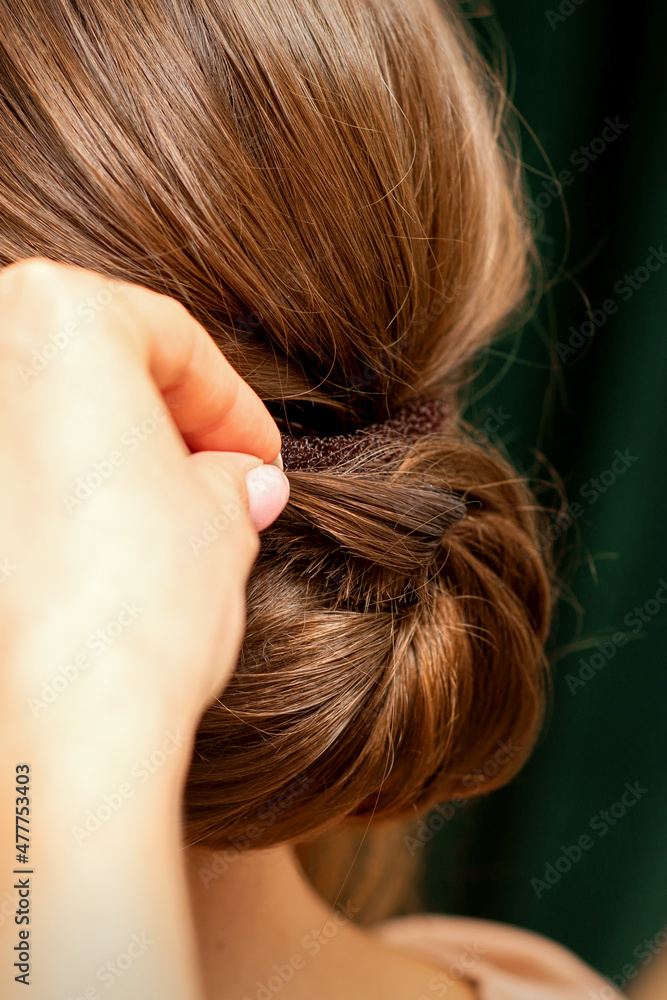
x=268, y=492
x=212, y=407
x=263, y=489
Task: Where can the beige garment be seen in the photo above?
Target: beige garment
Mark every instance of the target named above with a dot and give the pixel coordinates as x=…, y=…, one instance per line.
x=501, y=962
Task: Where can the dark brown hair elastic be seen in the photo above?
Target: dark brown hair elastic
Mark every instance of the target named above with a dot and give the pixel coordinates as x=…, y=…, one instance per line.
x=313, y=452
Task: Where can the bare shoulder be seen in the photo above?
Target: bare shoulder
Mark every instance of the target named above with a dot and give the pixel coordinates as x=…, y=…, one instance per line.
x=359, y=965
x=408, y=977
x=374, y=969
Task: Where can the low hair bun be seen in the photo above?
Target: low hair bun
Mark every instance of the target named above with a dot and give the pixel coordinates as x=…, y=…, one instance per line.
x=394, y=519
x=396, y=620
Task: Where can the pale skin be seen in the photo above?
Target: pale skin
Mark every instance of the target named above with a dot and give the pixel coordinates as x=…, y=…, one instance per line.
x=117, y=633
x=261, y=913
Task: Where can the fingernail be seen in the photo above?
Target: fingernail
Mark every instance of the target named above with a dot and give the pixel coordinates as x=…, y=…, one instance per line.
x=268, y=492
x=278, y=460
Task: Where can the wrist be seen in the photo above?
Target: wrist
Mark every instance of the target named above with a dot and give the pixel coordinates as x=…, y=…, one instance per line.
x=101, y=868
x=92, y=758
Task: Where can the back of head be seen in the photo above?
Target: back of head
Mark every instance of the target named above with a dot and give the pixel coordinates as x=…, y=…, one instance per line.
x=328, y=186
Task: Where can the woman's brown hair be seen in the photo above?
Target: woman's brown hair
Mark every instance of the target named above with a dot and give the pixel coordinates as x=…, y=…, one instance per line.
x=333, y=190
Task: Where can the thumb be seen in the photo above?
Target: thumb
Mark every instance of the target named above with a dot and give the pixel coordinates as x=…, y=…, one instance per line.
x=264, y=489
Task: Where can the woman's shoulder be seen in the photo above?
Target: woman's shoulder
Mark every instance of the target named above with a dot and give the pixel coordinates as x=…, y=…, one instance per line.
x=500, y=961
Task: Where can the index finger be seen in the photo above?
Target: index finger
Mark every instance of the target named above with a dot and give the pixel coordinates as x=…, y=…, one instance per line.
x=212, y=406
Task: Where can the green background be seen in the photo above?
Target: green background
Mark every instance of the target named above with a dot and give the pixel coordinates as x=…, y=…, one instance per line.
x=601, y=61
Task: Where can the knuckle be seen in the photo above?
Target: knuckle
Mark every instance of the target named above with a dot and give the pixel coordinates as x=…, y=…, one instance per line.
x=224, y=481
x=33, y=275
x=231, y=480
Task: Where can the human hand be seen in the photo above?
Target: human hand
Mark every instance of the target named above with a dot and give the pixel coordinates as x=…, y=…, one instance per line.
x=126, y=556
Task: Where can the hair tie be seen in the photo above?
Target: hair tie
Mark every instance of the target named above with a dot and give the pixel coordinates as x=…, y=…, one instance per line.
x=313, y=452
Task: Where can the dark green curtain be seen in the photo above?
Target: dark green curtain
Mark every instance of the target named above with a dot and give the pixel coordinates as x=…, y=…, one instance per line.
x=576, y=847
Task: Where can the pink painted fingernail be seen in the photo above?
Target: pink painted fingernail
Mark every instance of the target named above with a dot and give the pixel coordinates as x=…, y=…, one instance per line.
x=268, y=492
